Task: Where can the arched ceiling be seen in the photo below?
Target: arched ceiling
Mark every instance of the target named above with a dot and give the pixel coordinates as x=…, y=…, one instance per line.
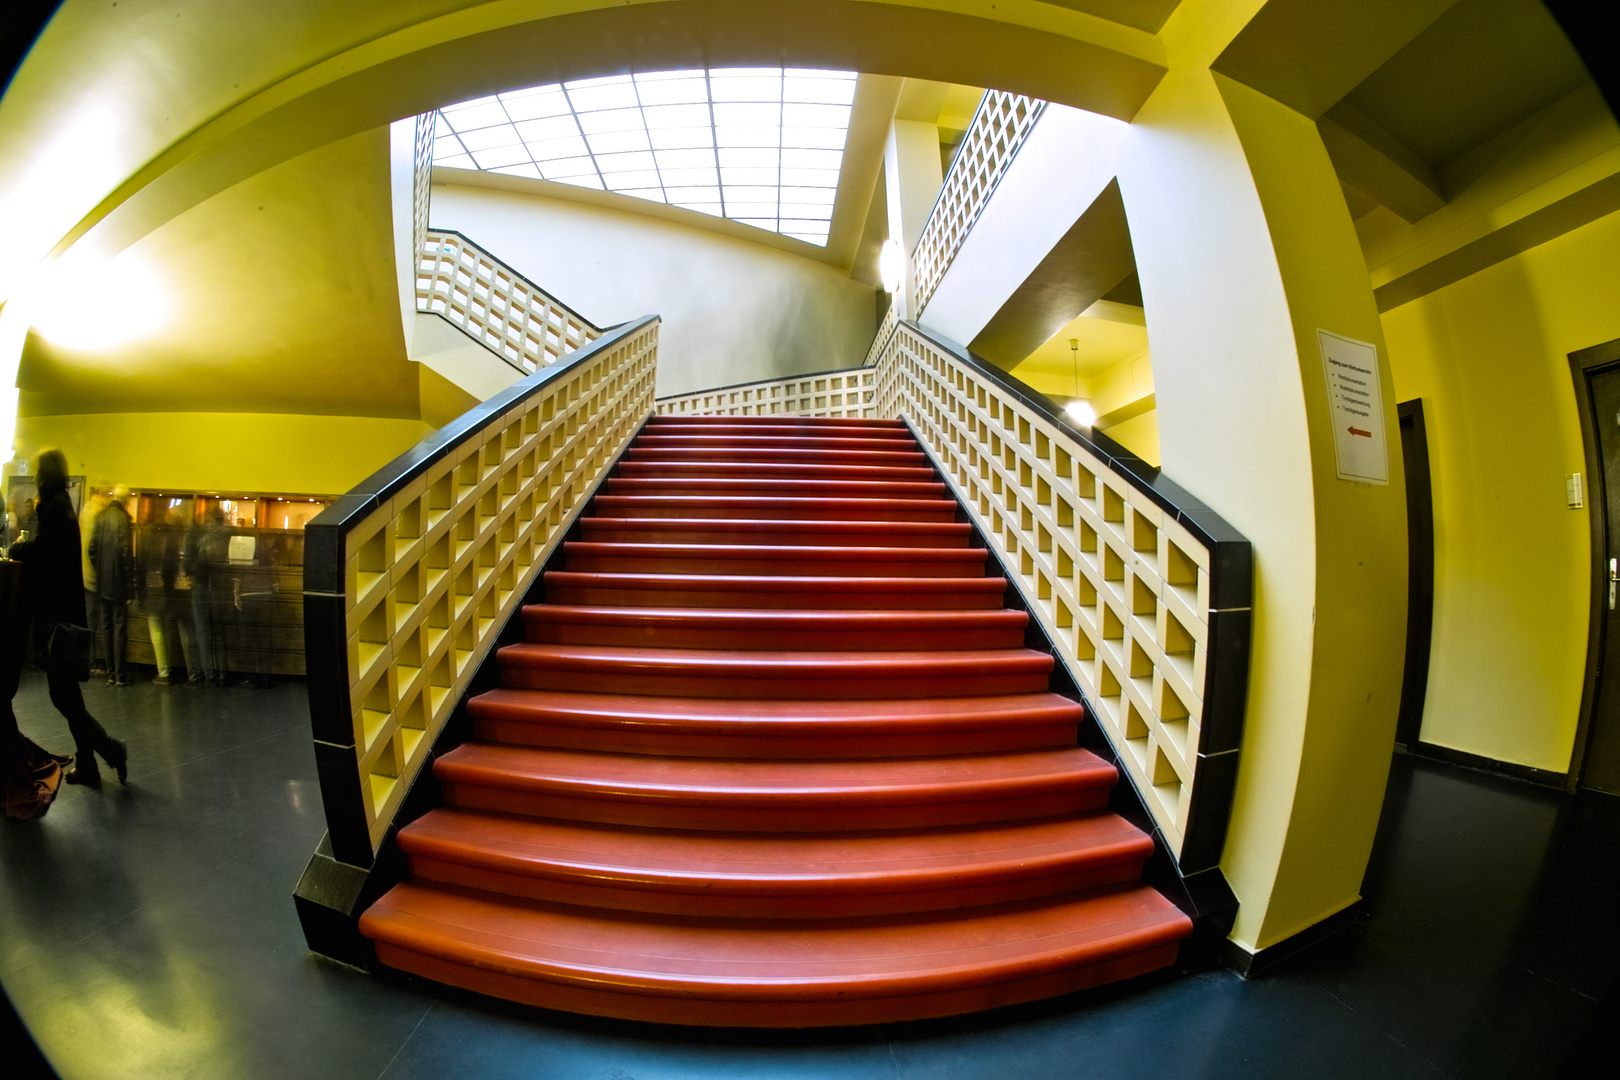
x=125, y=116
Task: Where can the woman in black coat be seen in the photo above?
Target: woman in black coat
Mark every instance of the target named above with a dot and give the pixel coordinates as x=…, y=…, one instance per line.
x=53, y=576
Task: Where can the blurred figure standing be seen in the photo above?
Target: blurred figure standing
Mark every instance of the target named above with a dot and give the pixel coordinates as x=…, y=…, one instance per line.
x=200, y=555
x=155, y=579
x=112, y=553
x=95, y=501
x=53, y=578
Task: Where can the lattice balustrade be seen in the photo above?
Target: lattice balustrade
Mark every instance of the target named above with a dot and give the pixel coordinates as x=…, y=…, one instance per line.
x=999, y=128
x=421, y=181
x=847, y=393
x=496, y=305
x=880, y=340
x=1121, y=582
x=408, y=585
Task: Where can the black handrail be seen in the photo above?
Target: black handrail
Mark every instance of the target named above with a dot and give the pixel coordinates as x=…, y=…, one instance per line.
x=325, y=627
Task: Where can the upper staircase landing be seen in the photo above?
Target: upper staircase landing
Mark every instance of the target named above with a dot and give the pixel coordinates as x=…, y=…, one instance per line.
x=773, y=753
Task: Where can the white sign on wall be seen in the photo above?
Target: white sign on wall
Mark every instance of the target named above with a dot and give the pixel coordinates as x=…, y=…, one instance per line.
x=1356, y=403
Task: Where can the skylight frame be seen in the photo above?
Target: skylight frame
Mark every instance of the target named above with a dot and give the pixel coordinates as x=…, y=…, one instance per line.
x=764, y=146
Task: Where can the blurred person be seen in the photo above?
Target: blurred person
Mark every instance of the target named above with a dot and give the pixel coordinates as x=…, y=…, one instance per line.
x=156, y=582
x=112, y=553
x=29, y=774
x=53, y=582
x=95, y=501
x=201, y=556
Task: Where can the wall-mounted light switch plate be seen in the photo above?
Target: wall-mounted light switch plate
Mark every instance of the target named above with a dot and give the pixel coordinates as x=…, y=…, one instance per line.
x=1574, y=491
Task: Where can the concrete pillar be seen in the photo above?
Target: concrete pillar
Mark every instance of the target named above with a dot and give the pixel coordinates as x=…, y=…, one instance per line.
x=912, y=173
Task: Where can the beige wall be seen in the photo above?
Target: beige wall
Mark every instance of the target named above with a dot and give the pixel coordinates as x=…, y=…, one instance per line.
x=733, y=311
x=1489, y=357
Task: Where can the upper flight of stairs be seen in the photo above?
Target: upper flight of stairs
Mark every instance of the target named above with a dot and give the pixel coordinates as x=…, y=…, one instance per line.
x=773, y=754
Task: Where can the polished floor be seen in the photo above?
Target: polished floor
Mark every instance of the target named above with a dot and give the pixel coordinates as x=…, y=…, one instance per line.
x=148, y=932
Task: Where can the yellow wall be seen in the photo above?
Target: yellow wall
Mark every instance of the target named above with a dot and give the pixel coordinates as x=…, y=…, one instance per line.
x=246, y=452
x=1489, y=357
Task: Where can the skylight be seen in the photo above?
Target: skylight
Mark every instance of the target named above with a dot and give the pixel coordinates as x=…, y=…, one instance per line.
x=762, y=146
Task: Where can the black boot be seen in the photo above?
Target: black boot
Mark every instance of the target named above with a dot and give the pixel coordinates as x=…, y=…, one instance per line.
x=117, y=755
x=84, y=772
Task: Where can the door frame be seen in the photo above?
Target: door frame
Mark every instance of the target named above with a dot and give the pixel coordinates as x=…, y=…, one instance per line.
x=1583, y=364
x=1420, y=586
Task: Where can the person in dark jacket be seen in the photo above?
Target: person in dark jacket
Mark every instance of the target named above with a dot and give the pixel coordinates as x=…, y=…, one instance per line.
x=112, y=553
x=53, y=577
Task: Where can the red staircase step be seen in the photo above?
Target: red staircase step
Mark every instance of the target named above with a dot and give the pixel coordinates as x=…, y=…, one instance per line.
x=657, y=439
x=826, y=489
x=742, y=728
x=812, y=508
x=770, y=973
x=791, y=560
x=913, y=458
x=755, y=875
x=719, y=673
x=719, y=628
x=766, y=531
x=658, y=424
x=792, y=470
x=773, y=796
x=744, y=591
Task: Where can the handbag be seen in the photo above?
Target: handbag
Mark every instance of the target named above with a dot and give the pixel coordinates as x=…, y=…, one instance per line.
x=68, y=649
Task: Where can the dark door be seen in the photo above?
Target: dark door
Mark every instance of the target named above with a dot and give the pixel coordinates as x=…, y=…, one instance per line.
x=1420, y=570
x=1600, y=768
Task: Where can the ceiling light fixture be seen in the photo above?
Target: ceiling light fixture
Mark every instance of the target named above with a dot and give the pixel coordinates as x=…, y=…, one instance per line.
x=1079, y=412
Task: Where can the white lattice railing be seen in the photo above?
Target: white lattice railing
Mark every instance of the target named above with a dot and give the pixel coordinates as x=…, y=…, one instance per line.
x=422, y=181
x=409, y=578
x=494, y=304
x=999, y=128
x=848, y=393
x=1148, y=604
x=880, y=340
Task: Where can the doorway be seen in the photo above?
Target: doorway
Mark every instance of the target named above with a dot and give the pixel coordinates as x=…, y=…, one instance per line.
x=1420, y=571
x=1596, y=373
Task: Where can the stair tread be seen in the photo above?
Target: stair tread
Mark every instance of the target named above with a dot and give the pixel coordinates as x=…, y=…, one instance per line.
x=645, y=660
x=871, y=553
x=720, y=485
x=785, y=583
x=761, y=863
x=773, y=716
x=809, y=782
x=765, y=960
x=779, y=619
x=776, y=525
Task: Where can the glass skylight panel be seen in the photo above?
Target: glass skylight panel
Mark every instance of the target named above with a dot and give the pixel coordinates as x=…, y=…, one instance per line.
x=761, y=146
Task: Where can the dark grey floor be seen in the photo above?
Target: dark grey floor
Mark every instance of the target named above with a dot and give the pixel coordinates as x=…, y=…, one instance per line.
x=148, y=932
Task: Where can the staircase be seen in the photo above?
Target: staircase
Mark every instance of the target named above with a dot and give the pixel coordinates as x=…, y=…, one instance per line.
x=773, y=754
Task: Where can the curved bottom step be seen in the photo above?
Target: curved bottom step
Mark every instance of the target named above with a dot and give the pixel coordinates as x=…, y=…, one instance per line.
x=758, y=973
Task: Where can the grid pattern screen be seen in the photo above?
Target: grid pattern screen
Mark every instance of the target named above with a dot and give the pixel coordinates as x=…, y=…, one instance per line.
x=761, y=146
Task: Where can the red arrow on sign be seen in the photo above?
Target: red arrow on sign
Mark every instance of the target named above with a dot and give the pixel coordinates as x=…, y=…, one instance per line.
x=1358, y=431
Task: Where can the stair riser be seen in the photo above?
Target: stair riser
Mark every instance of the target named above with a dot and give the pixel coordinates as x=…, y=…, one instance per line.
x=784, y=815
x=826, y=687
x=685, y=637
x=775, y=538
x=597, y=564
x=701, y=1012
x=626, y=739
x=768, y=601
x=903, y=510
x=719, y=902
x=773, y=488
